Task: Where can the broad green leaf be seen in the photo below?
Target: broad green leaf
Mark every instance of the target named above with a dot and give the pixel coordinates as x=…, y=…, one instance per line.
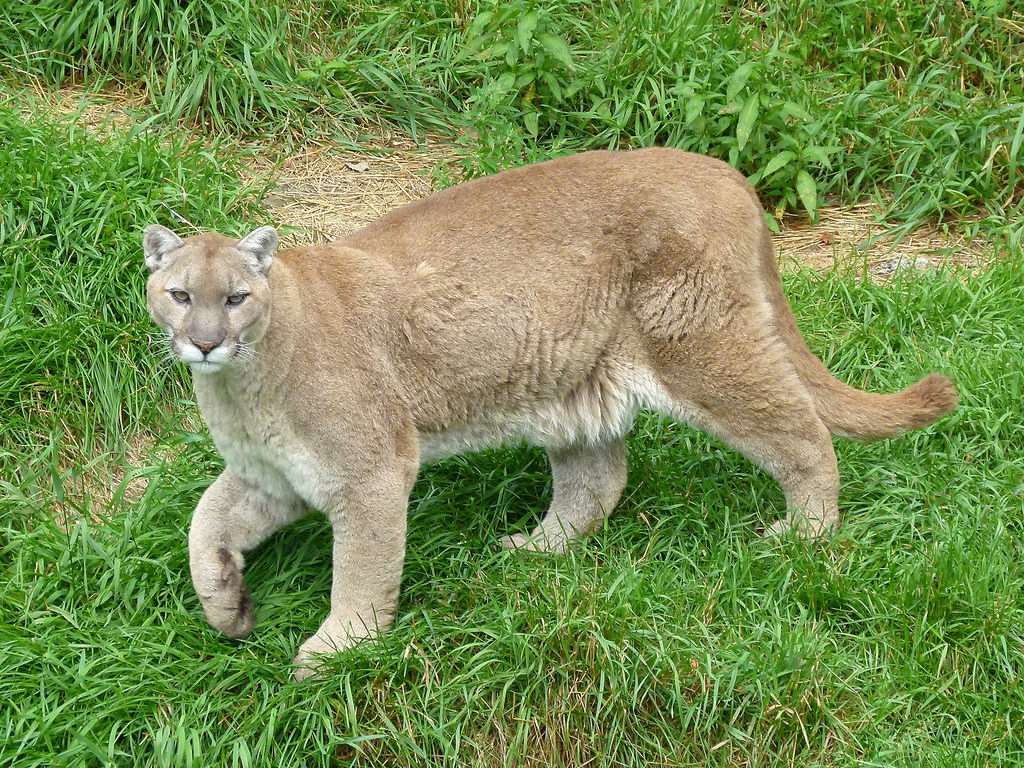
x=471, y=48
x=781, y=160
x=694, y=108
x=572, y=88
x=557, y=47
x=339, y=63
x=748, y=118
x=738, y=80
x=525, y=78
x=791, y=109
x=530, y=120
x=505, y=82
x=820, y=154
x=494, y=52
x=481, y=21
x=771, y=221
x=524, y=30
x=684, y=89
x=808, y=191
x=553, y=85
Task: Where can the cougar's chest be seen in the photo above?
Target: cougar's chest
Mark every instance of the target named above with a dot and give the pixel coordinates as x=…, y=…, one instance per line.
x=256, y=442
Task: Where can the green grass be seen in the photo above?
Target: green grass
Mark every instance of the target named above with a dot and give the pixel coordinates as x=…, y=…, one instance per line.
x=73, y=325
x=675, y=636
x=922, y=103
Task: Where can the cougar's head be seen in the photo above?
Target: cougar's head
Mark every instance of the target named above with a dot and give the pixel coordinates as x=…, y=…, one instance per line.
x=209, y=293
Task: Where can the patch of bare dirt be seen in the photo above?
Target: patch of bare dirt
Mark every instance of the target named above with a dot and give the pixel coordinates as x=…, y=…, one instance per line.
x=94, y=484
x=860, y=234
x=322, y=192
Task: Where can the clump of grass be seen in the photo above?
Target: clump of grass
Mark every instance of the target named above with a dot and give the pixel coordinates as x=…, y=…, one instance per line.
x=920, y=102
x=76, y=362
x=942, y=136
x=227, y=63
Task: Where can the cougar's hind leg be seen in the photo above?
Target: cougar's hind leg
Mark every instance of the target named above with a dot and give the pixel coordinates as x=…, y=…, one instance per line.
x=715, y=351
x=588, y=481
x=740, y=386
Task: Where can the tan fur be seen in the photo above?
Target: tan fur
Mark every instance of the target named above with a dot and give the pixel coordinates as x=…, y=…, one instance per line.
x=547, y=303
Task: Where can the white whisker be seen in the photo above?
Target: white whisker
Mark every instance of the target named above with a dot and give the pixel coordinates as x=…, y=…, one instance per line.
x=244, y=352
x=161, y=346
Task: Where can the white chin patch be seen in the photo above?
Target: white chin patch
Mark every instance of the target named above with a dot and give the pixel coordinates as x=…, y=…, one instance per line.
x=205, y=367
x=221, y=354
x=217, y=358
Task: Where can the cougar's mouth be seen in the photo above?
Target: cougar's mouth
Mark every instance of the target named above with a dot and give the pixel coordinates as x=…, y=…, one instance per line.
x=205, y=366
x=238, y=353
x=206, y=362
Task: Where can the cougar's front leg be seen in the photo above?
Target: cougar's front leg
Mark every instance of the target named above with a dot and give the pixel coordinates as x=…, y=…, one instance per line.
x=231, y=517
x=368, y=521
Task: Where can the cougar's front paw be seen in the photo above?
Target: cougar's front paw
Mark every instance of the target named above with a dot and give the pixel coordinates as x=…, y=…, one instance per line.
x=802, y=527
x=535, y=543
x=224, y=596
x=332, y=637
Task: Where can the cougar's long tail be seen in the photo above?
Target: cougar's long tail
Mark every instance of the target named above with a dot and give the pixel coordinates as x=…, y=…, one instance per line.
x=847, y=411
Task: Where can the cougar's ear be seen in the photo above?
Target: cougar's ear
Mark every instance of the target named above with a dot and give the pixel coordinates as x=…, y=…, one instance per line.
x=259, y=245
x=158, y=243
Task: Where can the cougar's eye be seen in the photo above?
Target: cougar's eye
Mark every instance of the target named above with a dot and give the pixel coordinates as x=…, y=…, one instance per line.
x=181, y=297
x=236, y=298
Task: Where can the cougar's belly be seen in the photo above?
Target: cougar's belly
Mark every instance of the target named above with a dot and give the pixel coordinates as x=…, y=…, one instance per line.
x=599, y=409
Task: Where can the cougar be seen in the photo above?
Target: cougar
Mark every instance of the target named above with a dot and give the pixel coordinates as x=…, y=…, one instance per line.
x=549, y=303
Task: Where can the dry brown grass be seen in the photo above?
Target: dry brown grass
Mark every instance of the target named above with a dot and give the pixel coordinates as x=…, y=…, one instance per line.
x=323, y=192
x=859, y=233
x=90, y=485
x=98, y=110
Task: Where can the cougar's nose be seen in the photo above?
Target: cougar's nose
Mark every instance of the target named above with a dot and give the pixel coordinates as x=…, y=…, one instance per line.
x=204, y=346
